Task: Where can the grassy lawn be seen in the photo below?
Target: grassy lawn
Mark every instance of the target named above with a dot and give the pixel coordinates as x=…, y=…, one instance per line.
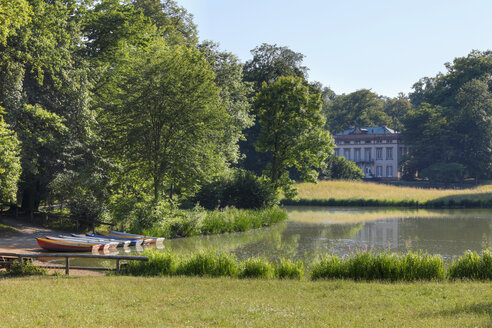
x=367, y=190
x=204, y=302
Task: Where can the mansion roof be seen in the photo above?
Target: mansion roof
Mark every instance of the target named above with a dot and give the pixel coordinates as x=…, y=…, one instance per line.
x=367, y=131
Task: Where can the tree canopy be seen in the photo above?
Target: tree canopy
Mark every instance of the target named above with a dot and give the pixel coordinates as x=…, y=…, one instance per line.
x=292, y=128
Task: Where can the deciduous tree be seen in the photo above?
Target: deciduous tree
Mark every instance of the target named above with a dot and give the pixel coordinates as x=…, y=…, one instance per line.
x=292, y=128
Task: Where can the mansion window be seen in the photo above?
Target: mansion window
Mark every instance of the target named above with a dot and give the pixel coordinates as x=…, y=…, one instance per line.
x=337, y=152
x=367, y=155
x=379, y=153
x=389, y=171
x=379, y=171
x=389, y=153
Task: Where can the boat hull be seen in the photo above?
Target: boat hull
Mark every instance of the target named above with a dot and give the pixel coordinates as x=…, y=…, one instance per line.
x=151, y=240
x=59, y=246
x=133, y=242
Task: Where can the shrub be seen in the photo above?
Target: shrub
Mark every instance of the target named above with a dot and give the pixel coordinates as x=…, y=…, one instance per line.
x=256, y=268
x=240, y=189
x=338, y=168
x=18, y=269
x=472, y=266
x=444, y=172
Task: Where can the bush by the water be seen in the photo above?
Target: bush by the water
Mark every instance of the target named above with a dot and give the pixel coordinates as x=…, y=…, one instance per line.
x=240, y=189
x=185, y=223
x=472, y=266
x=380, y=266
x=18, y=269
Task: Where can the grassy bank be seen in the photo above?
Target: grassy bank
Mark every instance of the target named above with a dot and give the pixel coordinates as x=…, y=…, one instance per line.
x=191, y=223
x=352, y=193
x=224, y=302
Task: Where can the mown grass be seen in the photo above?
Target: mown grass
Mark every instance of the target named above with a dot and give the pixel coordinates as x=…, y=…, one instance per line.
x=191, y=223
x=353, y=193
x=224, y=302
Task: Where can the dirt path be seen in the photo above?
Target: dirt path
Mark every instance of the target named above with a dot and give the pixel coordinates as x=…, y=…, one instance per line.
x=25, y=240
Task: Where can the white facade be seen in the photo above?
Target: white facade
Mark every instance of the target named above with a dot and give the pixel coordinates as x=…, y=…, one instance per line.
x=377, y=151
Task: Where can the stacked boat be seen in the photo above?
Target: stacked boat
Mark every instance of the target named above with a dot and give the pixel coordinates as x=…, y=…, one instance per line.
x=94, y=242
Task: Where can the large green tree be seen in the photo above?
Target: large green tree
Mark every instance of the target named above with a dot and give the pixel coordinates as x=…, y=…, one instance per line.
x=13, y=15
x=269, y=62
x=362, y=108
x=10, y=167
x=292, y=128
x=45, y=83
x=163, y=118
x=460, y=100
x=234, y=93
x=173, y=22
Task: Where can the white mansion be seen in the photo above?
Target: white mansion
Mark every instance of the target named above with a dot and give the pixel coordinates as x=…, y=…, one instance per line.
x=375, y=150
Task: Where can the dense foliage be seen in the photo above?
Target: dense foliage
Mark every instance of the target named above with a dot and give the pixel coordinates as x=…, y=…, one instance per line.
x=10, y=167
x=452, y=120
x=338, y=168
x=239, y=189
x=292, y=129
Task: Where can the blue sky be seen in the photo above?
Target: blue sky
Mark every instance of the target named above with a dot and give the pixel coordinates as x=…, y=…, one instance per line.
x=385, y=45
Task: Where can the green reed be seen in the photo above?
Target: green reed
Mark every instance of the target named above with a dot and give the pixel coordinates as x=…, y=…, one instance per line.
x=191, y=223
x=380, y=266
x=472, y=266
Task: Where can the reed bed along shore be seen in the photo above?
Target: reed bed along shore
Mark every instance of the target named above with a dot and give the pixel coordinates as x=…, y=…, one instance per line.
x=365, y=266
x=353, y=193
x=192, y=223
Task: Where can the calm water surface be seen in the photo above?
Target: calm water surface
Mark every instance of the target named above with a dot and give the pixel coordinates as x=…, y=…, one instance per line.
x=314, y=231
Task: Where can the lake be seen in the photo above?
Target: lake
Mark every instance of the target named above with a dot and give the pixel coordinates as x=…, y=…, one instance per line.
x=313, y=231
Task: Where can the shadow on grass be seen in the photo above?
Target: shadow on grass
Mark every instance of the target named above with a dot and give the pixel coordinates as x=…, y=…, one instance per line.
x=460, y=310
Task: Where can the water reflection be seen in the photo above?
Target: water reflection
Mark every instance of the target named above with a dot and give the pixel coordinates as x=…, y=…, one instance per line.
x=311, y=232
